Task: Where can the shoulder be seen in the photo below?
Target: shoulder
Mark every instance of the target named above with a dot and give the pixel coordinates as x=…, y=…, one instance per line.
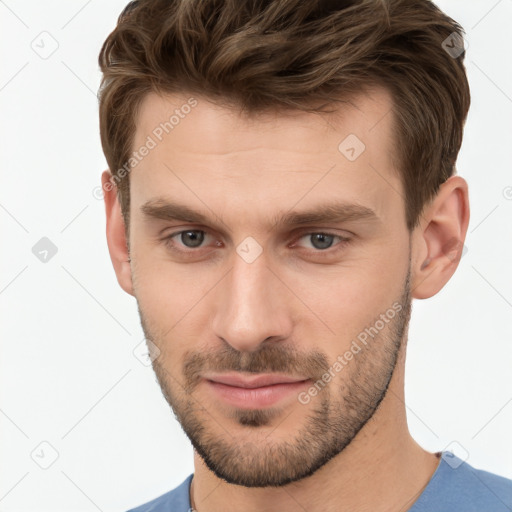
x=458, y=486
x=176, y=500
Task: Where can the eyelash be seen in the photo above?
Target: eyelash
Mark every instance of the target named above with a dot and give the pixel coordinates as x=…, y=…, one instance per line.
x=343, y=241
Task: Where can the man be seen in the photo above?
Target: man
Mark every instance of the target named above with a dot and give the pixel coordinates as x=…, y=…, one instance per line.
x=282, y=184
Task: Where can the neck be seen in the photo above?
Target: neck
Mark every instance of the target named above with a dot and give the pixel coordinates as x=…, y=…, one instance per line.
x=382, y=469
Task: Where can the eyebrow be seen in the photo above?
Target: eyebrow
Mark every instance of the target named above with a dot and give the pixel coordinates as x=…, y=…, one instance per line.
x=333, y=212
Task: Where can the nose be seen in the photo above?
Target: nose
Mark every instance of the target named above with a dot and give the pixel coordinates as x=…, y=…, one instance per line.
x=251, y=306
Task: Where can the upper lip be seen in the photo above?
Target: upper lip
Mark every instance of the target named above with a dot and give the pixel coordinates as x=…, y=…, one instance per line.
x=255, y=381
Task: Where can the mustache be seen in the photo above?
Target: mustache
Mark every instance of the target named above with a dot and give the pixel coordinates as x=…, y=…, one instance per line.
x=268, y=359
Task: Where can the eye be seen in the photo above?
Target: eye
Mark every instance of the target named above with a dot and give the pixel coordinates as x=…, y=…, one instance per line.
x=322, y=241
x=190, y=238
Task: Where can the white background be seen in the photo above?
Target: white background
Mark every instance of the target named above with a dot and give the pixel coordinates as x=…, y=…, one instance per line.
x=67, y=369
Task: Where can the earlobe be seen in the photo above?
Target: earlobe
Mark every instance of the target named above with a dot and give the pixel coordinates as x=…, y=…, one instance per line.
x=116, y=236
x=438, y=241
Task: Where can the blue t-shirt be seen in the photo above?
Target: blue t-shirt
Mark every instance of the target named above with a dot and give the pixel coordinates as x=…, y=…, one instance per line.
x=455, y=486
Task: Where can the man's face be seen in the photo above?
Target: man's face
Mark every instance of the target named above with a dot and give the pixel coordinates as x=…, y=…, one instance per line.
x=247, y=291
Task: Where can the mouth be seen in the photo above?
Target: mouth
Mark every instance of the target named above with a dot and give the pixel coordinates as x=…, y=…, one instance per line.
x=254, y=392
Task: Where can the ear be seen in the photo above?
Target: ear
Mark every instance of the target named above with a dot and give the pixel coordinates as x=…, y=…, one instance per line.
x=438, y=241
x=116, y=236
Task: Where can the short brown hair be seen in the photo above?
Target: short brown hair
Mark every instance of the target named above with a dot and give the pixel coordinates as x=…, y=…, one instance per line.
x=273, y=54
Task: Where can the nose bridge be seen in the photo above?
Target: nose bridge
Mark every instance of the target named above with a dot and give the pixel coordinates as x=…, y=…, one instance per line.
x=250, y=308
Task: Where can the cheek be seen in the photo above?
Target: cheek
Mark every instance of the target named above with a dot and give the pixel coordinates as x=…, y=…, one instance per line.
x=173, y=302
x=347, y=298
x=163, y=286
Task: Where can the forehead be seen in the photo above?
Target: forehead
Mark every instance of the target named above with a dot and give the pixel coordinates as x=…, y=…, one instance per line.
x=224, y=129
x=207, y=153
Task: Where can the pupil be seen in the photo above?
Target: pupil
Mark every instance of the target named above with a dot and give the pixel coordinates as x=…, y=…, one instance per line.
x=324, y=240
x=195, y=237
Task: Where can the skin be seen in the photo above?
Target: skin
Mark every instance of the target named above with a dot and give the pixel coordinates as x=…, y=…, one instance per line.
x=294, y=309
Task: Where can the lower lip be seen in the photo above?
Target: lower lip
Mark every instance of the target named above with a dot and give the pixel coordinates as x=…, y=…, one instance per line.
x=255, y=398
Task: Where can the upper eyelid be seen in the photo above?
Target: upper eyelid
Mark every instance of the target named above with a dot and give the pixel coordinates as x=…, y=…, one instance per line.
x=303, y=230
